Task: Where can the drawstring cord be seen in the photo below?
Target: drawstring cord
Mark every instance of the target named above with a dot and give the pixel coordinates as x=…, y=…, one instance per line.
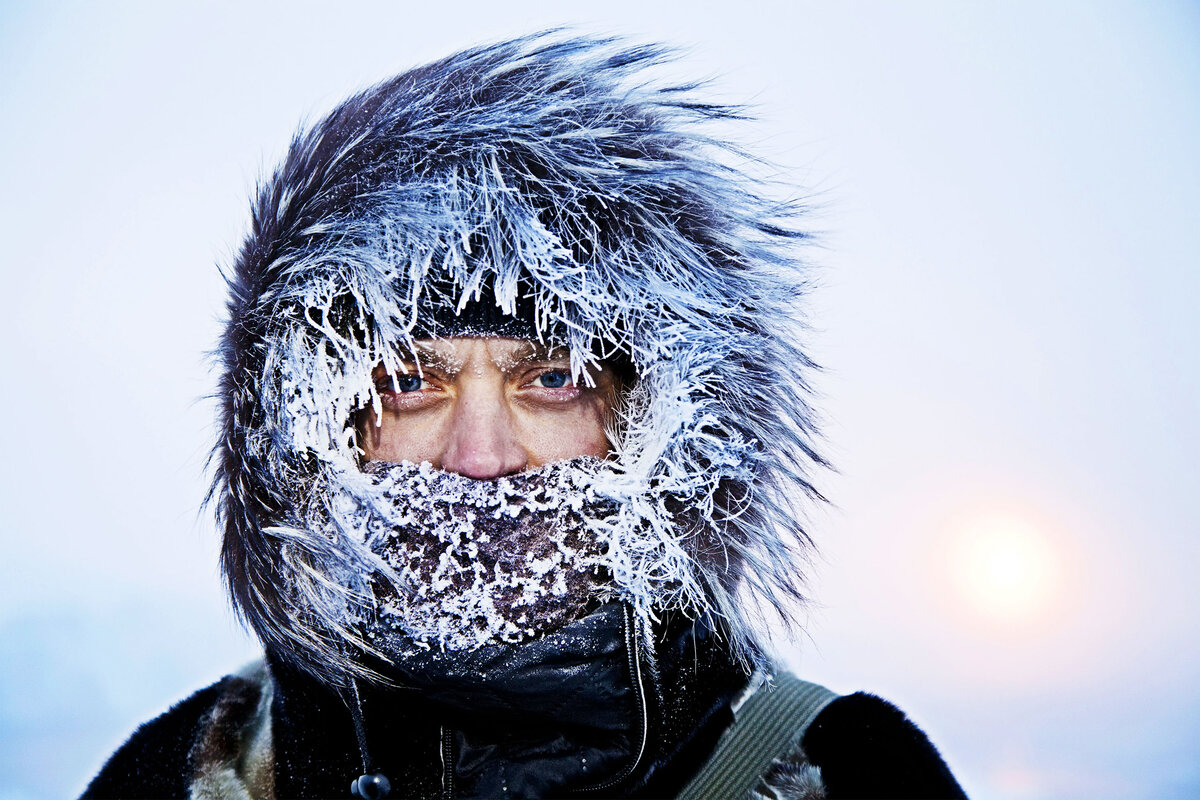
x=371, y=785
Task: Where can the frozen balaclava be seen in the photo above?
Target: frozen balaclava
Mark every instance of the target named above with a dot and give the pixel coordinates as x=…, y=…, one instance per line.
x=555, y=183
x=480, y=562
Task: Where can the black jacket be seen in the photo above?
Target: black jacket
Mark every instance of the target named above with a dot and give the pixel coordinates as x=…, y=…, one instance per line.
x=615, y=721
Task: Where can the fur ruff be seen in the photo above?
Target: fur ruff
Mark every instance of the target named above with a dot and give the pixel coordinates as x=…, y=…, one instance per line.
x=550, y=170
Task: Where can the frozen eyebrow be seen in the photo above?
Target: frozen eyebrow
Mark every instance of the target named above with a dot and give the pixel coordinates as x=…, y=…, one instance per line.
x=539, y=352
x=422, y=356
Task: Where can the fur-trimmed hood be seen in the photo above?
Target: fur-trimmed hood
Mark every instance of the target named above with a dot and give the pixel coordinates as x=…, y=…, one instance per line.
x=548, y=173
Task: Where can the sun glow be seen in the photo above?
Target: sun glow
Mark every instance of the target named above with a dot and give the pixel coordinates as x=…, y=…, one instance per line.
x=1006, y=568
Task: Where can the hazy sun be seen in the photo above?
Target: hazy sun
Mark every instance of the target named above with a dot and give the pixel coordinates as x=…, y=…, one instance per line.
x=1005, y=567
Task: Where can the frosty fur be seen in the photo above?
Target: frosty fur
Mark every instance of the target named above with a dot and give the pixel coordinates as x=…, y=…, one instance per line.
x=549, y=170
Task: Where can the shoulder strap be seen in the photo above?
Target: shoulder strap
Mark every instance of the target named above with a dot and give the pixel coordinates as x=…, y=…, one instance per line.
x=768, y=726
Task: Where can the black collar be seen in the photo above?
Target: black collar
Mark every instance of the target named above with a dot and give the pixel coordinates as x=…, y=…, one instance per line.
x=599, y=703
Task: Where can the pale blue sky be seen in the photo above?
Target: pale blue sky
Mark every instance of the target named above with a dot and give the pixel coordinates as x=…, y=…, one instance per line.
x=1009, y=205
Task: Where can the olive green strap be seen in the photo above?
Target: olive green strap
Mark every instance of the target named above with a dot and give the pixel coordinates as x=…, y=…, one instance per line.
x=768, y=726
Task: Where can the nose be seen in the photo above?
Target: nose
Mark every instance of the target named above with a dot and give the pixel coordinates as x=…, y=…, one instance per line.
x=483, y=442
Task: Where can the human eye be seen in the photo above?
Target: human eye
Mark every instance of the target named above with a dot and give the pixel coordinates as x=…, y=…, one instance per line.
x=555, y=379
x=400, y=390
x=408, y=383
x=401, y=382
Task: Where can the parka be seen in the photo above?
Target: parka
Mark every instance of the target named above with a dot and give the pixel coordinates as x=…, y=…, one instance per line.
x=550, y=188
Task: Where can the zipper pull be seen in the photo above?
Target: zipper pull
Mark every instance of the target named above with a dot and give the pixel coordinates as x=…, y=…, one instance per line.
x=371, y=787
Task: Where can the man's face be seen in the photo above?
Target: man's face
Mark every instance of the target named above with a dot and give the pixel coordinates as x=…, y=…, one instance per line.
x=486, y=407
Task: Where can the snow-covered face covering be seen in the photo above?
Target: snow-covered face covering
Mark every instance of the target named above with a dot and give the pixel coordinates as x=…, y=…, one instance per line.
x=480, y=562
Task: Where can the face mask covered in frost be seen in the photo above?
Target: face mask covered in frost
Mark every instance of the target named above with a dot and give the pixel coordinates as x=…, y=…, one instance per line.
x=479, y=562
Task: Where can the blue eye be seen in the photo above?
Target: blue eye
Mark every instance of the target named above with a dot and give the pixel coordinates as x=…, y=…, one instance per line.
x=408, y=383
x=554, y=379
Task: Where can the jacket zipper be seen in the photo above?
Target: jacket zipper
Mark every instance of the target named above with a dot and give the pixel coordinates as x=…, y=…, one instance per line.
x=633, y=653
x=446, y=750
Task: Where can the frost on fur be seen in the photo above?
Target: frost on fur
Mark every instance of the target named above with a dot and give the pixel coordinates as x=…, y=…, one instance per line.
x=547, y=171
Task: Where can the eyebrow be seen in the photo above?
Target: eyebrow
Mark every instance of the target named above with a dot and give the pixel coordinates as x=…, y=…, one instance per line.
x=540, y=352
x=423, y=356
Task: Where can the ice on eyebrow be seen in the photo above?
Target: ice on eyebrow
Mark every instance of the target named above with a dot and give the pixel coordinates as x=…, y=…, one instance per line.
x=534, y=353
x=420, y=356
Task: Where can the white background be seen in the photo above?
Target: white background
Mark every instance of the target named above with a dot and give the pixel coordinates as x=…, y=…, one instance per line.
x=1007, y=196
